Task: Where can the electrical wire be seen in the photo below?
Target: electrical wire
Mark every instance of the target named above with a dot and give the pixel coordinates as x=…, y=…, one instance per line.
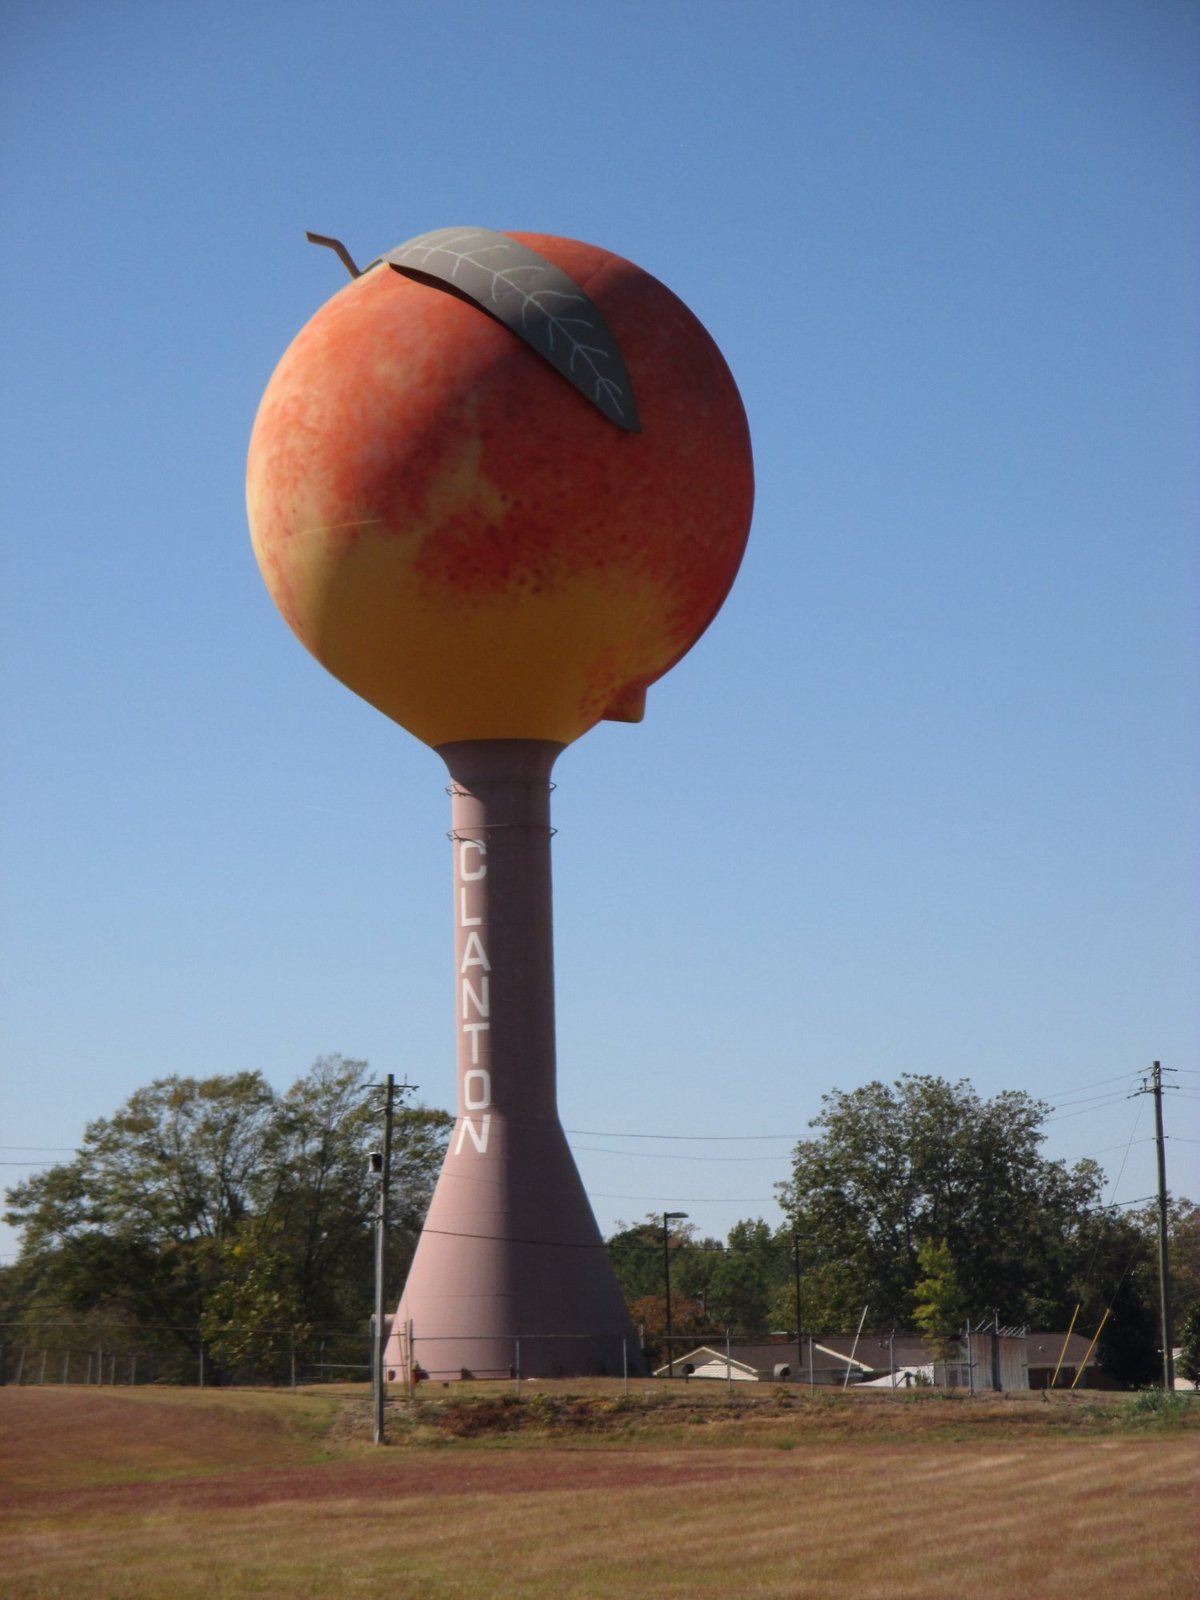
x=51, y=1149
x=693, y=1199
x=1109, y=1148
x=1057, y=1099
x=1128, y=1147
x=1084, y=1111
x=662, y=1155
x=1121, y=1077
x=694, y=1138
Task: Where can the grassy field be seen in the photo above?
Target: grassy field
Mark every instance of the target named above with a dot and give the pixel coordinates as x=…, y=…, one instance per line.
x=575, y=1490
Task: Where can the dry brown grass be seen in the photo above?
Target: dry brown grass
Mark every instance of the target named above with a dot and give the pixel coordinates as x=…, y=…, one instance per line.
x=1022, y=1501
x=63, y=1438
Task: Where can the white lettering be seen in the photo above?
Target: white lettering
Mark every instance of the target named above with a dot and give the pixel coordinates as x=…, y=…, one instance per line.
x=474, y=955
x=475, y=1029
x=480, y=998
x=477, y=1089
x=479, y=1136
x=481, y=870
x=464, y=921
x=477, y=1080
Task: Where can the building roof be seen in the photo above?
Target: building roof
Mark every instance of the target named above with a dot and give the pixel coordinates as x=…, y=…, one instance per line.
x=875, y=1352
x=872, y=1354
x=1044, y=1349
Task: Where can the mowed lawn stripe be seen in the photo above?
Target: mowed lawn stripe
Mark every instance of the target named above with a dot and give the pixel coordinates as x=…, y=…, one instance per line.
x=1042, y=1520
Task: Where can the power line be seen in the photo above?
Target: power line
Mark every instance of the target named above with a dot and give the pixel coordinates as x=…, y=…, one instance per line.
x=694, y=1138
x=1125, y=1157
x=1109, y=1148
x=1094, y=1099
x=1055, y=1098
x=1083, y=1111
x=694, y=1199
x=661, y=1155
x=1121, y=1077
x=1066, y=1102
x=51, y=1149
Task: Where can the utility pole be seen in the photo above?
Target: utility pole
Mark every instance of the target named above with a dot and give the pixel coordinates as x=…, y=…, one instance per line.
x=1164, y=1277
x=381, y=1167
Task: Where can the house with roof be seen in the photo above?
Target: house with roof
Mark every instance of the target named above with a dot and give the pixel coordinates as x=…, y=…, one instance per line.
x=1062, y=1360
x=990, y=1360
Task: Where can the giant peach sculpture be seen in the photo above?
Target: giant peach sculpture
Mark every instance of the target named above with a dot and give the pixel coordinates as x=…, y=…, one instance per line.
x=498, y=485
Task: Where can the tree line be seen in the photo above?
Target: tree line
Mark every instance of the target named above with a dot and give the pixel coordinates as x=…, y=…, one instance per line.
x=220, y=1218
x=216, y=1216
x=930, y=1207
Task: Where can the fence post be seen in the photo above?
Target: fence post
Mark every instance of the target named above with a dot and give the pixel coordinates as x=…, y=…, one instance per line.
x=625, y=1364
x=66, y=1377
x=517, y=1362
x=202, y=1365
x=970, y=1362
x=20, y=1365
x=42, y=1372
x=728, y=1363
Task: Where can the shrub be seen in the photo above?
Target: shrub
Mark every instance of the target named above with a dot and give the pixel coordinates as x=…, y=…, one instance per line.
x=1158, y=1408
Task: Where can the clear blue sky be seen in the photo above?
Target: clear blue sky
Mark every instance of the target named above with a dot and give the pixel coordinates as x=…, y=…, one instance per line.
x=925, y=796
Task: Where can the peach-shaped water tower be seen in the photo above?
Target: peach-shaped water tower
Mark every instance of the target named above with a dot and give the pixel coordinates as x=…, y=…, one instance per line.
x=498, y=485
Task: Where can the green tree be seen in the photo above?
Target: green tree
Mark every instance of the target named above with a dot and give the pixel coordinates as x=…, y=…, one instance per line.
x=1113, y=1280
x=636, y=1253
x=1189, y=1344
x=252, y=1319
x=939, y=1306
x=714, y=1285
x=1183, y=1254
x=638, y=1257
x=751, y=1266
x=925, y=1158
x=129, y=1232
x=217, y=1205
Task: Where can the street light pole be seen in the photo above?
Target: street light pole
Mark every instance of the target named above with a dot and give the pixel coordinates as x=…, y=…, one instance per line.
x=668, y=1218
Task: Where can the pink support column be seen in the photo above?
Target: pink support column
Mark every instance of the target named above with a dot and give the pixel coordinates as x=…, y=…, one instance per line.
x=510, y=1249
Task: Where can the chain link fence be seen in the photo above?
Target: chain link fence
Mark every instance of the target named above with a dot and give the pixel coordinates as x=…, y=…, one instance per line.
x=56, y=1354
x=132, y=1355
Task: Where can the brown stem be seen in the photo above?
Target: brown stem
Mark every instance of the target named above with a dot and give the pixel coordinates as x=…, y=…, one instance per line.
x=343, y=254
